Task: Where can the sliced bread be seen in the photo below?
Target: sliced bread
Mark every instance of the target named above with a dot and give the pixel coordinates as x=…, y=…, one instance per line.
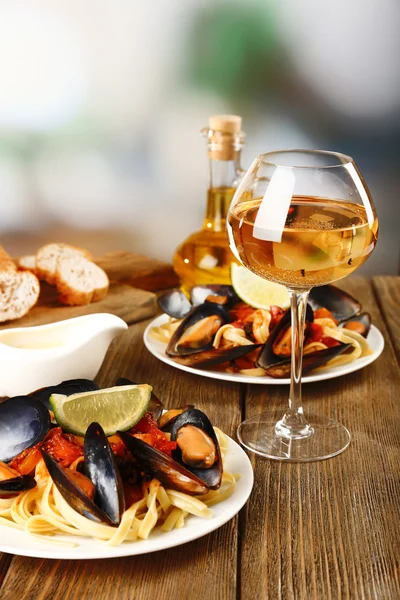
x=49, y=257
x=80, y=281
x=27, y=263
x=19, y=291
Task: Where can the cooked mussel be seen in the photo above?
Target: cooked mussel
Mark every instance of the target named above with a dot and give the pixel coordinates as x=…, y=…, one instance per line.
x=277, y=363
x=103, y=476
x=155, y=405
x=215, y=356
x=73, y=493
x=281, y=368
x=12, y=482
x=15, y=485
x=218, y=293
x=197, y=330
x=360, y=323
x=174, y=303
x=166, y=420
x=102, y=470
x=68, y=387
x=169, y=472
x=270, y=353
x=24, y=421
x=197, y=446
x=339, y=303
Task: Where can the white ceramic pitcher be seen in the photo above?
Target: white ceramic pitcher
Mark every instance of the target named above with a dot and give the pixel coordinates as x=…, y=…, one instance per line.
x=35, y=357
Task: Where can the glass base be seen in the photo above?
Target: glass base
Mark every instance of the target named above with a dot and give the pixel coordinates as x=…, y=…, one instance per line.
x=321, y=439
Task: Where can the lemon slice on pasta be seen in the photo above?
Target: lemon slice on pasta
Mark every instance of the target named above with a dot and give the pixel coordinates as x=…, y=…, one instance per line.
x=258, y=292
x=116, y=408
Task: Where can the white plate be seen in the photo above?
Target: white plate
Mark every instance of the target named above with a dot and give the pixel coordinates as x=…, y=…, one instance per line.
x=375, y=340
x=14, y=541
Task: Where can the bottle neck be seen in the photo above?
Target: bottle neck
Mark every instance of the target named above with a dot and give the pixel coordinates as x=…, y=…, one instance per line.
x=224, y=179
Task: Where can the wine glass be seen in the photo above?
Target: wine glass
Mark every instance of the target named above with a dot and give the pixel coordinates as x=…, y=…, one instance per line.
x=301, y=218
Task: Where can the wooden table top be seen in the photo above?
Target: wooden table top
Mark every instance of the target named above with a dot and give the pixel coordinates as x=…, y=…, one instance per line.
x=323, y=530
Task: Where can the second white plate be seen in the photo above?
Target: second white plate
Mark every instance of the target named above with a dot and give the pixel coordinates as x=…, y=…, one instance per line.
x=157, y=349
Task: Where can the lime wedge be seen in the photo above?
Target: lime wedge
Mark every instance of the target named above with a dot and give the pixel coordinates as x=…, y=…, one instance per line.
x=116, y=408
x=258, y=292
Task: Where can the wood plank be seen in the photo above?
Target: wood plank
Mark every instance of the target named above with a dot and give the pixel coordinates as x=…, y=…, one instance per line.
x=137, y=270
x=205, y=568
x=128, y=303
x=387, y=290
x=330, y=529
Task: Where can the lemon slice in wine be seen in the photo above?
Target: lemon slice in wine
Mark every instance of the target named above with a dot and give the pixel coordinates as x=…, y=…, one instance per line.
x=258, y=292
x=116, y=408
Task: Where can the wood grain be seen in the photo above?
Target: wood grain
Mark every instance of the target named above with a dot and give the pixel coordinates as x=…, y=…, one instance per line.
x=327, y=530
x=331, y=529
x=122, y=300
x=387, y=290
x=139, y=271
x=206, y=568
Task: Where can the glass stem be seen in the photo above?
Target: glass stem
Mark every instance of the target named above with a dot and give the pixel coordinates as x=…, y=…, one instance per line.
x=294, y=424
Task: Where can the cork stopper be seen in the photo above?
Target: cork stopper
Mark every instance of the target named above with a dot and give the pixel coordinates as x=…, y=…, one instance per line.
x=225, y=123
x=225, y=138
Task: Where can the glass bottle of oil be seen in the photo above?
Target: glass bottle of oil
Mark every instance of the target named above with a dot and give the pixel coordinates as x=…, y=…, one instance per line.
x=205, y=257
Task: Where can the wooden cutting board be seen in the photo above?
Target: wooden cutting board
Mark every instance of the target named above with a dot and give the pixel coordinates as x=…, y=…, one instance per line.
x=127, y=273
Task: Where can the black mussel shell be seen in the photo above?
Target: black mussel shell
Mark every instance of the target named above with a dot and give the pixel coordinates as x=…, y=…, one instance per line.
x=211, y=476
x=69, y=387
x=155, y=405
x=215, y=356
x=24, y=421
x=157, y=464
x=102, y=470
x=168, y=424
x=281, y=368
x=9, y=487
x=360, y=323
x=339, y=303
x=199, y=293
x=197, y=314
x=72, y=493
x=174, y=303
x=267, y=356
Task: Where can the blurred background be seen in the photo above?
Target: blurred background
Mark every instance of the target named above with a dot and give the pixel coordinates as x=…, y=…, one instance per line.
x=101, y=103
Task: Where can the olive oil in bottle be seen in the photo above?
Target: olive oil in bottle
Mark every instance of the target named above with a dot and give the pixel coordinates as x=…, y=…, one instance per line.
x=205, y=256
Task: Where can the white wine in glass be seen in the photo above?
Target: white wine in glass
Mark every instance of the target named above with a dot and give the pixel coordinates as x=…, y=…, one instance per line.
x=301, y=218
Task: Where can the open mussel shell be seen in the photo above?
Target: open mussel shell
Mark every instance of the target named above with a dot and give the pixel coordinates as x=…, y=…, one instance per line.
x=72, y=493
x=197, y=330
x=339, y=303
x=360, y=323
x=67, y=388
x=267, y=357
x=224, y=293
x=213, y=474
x=155, y=405
x=157, y=464
x=102, y=470
x=24, y=422
x=174, y=303
x=281, y=368
x=215, y=356
x=9, y=487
